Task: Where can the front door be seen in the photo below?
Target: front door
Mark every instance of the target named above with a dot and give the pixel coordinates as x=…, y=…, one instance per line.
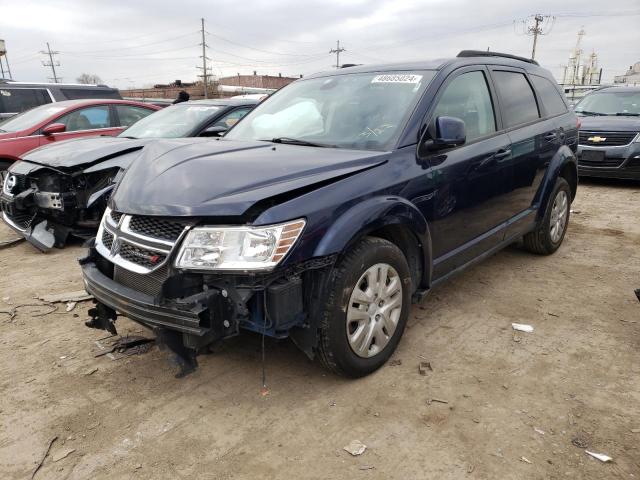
x=83, y=122
x=471, y=181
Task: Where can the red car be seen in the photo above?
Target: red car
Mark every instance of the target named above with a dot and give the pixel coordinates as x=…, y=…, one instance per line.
x=55, y=122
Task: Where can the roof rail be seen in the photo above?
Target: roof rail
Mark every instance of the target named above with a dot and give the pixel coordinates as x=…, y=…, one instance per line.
x=482, y=53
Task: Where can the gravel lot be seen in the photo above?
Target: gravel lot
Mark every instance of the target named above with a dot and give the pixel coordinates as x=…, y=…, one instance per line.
x=515, y=401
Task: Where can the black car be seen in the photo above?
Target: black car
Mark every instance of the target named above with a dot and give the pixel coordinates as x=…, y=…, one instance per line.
x=18, y=97
x=334, y=204
x=610, y=133
x=62, y=189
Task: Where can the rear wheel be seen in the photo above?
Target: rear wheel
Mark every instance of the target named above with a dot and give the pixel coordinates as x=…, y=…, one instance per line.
x=548, y=235
x=366, y=310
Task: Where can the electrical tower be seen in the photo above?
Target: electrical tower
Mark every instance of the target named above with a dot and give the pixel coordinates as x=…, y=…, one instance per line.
x=51, y=63
x=337, y=51
x=3, y=54
x=204, y=68
x=537, y=25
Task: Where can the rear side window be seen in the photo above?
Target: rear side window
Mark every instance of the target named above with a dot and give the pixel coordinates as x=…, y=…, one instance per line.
x=80, y=93
x=549, y=95
x=516, y=98
x=128, y=114
x=467, y=97
x=17, y=100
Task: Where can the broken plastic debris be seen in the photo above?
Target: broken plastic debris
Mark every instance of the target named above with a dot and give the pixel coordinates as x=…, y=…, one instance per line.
x=537, y=430
x=71, y=306
x=424, y=367
x=355, y=448
x=56, y=457
x=600, y=456
x=521, y=327
x=525, y=460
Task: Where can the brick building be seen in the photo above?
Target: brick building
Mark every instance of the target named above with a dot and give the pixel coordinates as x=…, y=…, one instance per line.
x=196, y=90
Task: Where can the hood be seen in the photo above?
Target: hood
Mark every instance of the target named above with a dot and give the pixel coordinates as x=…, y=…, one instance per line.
x=610, y=124
x=227, y=177
x=83, y=152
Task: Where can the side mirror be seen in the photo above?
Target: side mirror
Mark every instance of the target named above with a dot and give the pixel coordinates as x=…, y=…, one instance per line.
x=54, y=128
x=214, y=131
x=449, y=132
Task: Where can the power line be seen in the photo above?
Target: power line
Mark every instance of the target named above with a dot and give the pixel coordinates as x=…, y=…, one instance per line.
x=51, y=63
x=337, y=51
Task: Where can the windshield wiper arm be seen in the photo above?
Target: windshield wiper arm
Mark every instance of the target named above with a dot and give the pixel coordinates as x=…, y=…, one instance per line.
x=296, y=141
x=586, y=112
x=627, y=114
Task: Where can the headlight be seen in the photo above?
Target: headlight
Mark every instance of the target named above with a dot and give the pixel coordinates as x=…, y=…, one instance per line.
x=238, y=248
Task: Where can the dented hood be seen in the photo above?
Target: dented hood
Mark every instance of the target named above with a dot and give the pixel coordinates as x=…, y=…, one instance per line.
x=83, y=152
x=228, y=177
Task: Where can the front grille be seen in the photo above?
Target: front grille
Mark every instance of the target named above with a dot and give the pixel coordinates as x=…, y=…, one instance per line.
x=160, y=228
x=606, y=163
x=141, y=256
x=150, y=283
x=107, y=239
x=606, y=139
x=115, y=216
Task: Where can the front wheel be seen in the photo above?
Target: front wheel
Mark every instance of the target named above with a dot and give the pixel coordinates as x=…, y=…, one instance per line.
x=366, y=310
x=548, y=235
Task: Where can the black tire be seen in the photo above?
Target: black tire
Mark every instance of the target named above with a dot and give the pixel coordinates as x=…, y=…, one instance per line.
x=334, y=350
x=540, y=240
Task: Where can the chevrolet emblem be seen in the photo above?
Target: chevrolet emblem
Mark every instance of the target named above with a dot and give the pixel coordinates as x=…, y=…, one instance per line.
x=596, y=139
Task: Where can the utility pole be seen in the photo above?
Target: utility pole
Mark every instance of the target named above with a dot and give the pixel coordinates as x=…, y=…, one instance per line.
x=535, y=31
x=337, y=51
x=537, y=25
x=205, y=75
x=51, y=63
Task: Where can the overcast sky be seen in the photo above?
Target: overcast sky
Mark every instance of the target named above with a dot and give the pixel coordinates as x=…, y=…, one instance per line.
x=142, y=42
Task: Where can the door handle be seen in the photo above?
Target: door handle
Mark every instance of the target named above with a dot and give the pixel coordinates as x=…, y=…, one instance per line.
x=550, y=137
x=502, y=154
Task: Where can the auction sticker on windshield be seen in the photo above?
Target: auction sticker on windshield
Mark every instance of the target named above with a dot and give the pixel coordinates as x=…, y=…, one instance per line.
x=396, y=79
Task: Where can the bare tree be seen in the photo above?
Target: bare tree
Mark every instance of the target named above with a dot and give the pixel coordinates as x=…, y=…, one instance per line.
x=88, y=78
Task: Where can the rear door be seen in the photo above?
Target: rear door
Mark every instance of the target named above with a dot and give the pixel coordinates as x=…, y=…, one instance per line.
x=534, y=140
x=467, y=210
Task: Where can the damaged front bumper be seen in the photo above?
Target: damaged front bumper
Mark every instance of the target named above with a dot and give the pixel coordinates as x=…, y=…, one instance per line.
x=203, y=309
x=46, y=207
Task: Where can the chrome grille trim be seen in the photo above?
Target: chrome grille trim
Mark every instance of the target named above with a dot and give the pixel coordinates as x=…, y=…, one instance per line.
x=122, y=234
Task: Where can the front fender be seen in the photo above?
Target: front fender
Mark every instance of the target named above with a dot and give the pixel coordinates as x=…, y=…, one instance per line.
x=374, y=214
x=563, y=159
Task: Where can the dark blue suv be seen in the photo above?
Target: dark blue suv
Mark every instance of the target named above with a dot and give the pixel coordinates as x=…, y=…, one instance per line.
x=336, y=203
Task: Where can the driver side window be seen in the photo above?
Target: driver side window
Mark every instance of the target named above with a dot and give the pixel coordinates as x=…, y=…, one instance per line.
x=467, y=97
x=88, y=118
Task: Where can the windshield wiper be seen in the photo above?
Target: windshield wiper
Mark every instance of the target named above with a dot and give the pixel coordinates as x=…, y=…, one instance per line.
x=296, y=141
x=130, y=138
x=627, y=114
x=595, y=114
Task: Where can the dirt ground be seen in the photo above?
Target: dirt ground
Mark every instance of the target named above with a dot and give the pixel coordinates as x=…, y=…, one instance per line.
x=515, y=401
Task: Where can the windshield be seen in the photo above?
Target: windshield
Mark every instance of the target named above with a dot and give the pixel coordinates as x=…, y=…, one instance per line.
x=29, y=118
x=175, y=121
x=610, y=103
x=357, y=111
